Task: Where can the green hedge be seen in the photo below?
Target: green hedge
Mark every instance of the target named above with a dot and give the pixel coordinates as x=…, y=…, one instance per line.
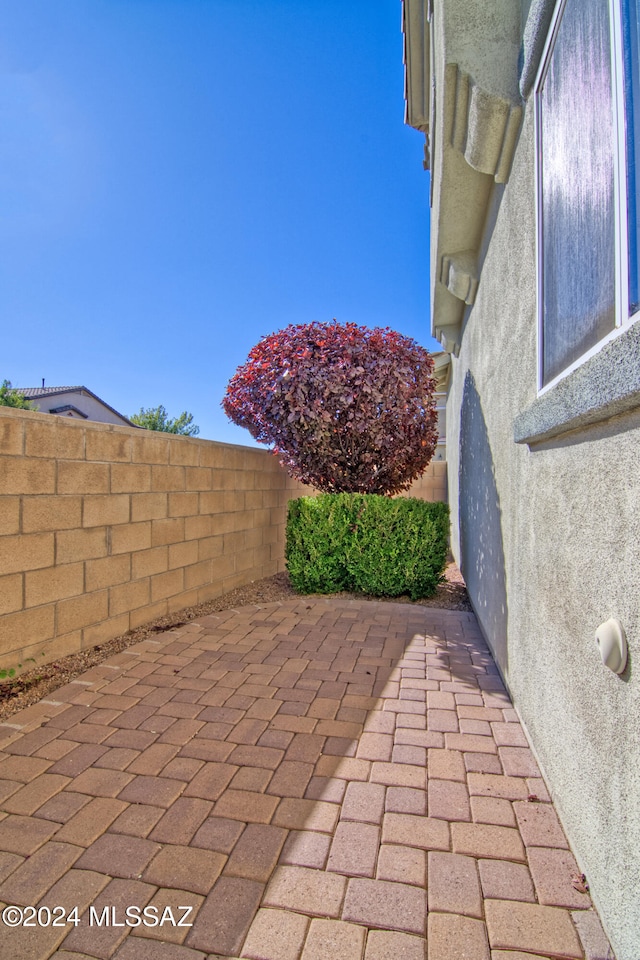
x=367, y=544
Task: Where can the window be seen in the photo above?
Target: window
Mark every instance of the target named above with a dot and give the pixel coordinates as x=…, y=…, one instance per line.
x=631, y=42
x=587, y=136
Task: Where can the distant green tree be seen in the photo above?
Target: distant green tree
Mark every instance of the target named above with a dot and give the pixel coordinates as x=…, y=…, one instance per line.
x=11, y=398
x=156, y=418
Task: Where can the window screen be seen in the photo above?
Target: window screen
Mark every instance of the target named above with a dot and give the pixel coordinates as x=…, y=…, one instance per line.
x=576, y=182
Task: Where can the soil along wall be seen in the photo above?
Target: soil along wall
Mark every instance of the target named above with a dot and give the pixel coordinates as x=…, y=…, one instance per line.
x=103, y=528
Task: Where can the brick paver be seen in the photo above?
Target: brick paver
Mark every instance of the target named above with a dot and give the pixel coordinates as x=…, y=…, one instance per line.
x=314, y=779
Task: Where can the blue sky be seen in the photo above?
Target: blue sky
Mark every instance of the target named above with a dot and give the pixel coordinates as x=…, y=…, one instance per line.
x=181, y=177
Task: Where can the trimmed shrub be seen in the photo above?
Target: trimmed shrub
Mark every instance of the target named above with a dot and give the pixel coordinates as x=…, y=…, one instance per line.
x=318, y=529
x=366, y=543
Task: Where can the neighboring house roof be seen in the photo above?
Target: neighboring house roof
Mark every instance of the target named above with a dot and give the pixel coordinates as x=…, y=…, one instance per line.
x=43, y=393
x=31, y=392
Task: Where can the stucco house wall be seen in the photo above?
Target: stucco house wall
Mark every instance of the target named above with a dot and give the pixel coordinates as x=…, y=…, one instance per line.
x=548, y=540
x=547, y=532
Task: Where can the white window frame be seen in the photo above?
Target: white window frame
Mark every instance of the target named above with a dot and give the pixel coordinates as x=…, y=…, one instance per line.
x=622, y=319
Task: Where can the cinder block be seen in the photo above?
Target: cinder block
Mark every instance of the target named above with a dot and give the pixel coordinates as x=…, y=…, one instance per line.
x=107, y=572
x=184, y=452
x=254, y=500
x=54, y=583
x=109, y=445
x=244, y=458
x=223, y=567
x=81, y=611
x=212, y=502
x=37, y=654
x=284, y=496
x=55, y=438
x=261, y=518
x=277, y=551
x=11, y=435
x=210, y=453
x=234, y=581
x=280, y=480
x=72, y=545
x=236, y=500
x=262, y=555
x=148, y=506
x=147, y=447
x=253, y=536
x=197, y=528
x=283, y=478
x=278, y=516
x=182, y=600
x=270, y=499
x=10, y=593
x=198, y=478
x=26, y=476
x=146, y=563
x=51, y=513
x=225, y=523
x=105, y=630
x=130, y=477
x=129, y=596
x=75, y=476
x=209, y=592
x=167, y=531
x=245, y=560
x=224, y=479
x=183, y=504
x=105, y=511
x=19, y=630
x=269, y=534
x=167, y=478
x=9, y=515
x=183, y=554
x=250, y=480
x=198, y=574
x=234, y=543
x=167, y=584
x=129, y=537
x=146, y=614
x=26, y=552
x=272, y=567
x=210, y=547
x=261, y=460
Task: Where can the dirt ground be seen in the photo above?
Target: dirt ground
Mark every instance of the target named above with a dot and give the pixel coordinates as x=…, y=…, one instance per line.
x=33, y=685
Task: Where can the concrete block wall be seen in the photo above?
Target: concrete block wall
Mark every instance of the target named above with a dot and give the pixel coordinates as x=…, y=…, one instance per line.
x=103, y=528
x=432, y=485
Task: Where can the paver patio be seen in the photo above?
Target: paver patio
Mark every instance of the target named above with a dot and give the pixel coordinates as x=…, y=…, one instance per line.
x=317, y=779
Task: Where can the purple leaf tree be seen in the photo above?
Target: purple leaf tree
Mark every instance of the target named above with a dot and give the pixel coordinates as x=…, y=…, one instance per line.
x=346, y=408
